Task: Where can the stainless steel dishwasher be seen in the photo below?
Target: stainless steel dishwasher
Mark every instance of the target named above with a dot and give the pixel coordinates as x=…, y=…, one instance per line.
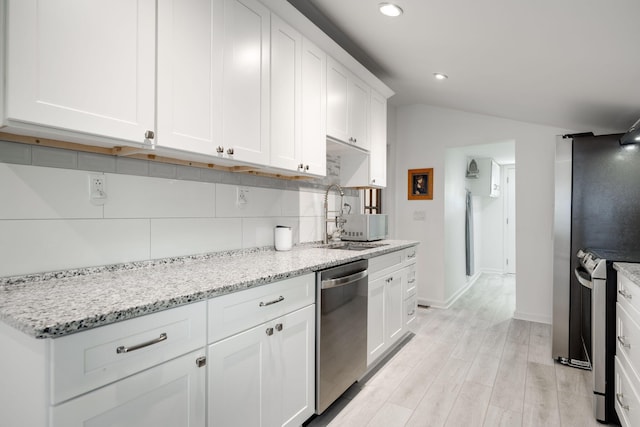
x=341, y=335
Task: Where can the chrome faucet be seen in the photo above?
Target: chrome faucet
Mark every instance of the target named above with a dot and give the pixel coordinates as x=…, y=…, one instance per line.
x=339, y=220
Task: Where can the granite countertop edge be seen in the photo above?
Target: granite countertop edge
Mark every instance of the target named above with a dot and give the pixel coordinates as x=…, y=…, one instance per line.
x=55, y=304
x=631, y=270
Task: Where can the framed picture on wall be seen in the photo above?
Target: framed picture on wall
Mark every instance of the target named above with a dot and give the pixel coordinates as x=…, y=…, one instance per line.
x=420, y=184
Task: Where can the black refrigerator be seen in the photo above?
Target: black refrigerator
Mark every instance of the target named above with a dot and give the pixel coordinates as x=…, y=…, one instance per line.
x=597, y=208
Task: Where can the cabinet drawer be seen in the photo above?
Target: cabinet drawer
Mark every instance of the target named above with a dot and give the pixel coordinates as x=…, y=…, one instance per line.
x=411, y=285
x=627, y=401
x=629, y=296
x=410, y=313
x=87, y=360
x=383, y=264
x=236, y=312
x=628, y=338
x=410, y=254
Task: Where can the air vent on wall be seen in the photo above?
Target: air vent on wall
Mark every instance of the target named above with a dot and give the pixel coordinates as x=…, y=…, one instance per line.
x=472, y=169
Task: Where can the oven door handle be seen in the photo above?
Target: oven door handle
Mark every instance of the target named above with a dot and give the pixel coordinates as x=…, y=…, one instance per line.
x=583, y=277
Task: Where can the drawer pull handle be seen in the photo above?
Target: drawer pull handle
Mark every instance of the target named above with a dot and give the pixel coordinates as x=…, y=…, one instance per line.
x=412, y=255
x=412, y=312
x=622, y=341
x=625, y=294
x=412, y=281
x=619, y=398
x=264, y=304
x=269, y=331
x=279, y=327
x=123, y=349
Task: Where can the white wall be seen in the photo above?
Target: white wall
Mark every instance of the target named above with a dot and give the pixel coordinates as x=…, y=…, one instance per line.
x=47, y=222
x=424, y=134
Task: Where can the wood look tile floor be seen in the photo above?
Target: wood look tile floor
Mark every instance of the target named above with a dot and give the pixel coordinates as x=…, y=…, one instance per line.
x=470, y=365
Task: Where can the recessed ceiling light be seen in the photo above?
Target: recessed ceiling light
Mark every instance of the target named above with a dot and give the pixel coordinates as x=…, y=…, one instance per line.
x=390, y=9
x=440, y=76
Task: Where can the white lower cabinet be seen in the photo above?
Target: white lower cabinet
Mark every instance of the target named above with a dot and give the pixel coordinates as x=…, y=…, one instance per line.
x=264, y=376
x=627, y=359
x=168, y=395
x=261, y=355
x=392, y=301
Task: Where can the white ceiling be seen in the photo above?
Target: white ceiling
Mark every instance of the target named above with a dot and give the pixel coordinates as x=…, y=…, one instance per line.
x=573, y=64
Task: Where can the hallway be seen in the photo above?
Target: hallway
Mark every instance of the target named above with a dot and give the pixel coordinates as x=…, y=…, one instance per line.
x=470, y=365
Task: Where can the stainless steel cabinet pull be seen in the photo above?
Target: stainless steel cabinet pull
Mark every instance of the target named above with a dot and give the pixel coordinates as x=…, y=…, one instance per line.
x=123, y=349
x=220, y=149
x=230, y=151
x=412, y=281
x=411, y=312
x=619, y=398
x=279, y=327
x=149, y=134
x=201, y=361
x=625, y=294
x=413, y=255
x=269, y=331
x=300, y=166
x=389, y=280
x=264, y=304
x=622, y=341
x=306, y=167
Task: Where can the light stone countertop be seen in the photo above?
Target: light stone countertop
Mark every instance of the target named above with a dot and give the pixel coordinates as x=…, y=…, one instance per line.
x=631, y=270
x=54, y=304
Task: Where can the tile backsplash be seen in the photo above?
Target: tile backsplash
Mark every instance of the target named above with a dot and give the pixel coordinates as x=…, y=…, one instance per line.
x=152, y=210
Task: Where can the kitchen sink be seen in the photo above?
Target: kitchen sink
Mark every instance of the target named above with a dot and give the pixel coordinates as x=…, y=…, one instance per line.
x=354, y=246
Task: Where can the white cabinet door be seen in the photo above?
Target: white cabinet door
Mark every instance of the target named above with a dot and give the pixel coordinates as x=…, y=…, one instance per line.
x=378, y=139
x=358, y=98
x=265, y=375
x=83, y=66
x=238, y=383
x=314, y=109
x=186, y=90
x=495, y=180
x=394, y=308
x=244, y=78
x=286, y=51
x=295, y=361
x=168, y=395
x=337, y=101
x=376, y=320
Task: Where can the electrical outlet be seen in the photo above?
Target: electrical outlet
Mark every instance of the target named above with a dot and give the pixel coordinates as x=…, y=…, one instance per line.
x=242, y=198
x=97, y=189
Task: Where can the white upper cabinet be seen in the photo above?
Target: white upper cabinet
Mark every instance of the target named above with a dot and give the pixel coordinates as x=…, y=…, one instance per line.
x=378, y=151
x=314, y=109
x=82, y=66
x=243, y=40
x=286, y=65
x=347, y=106
x=186, y=90
x=487, y=180
x=298, y=102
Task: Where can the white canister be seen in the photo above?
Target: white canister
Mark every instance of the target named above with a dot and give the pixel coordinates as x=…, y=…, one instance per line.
x=283, y=238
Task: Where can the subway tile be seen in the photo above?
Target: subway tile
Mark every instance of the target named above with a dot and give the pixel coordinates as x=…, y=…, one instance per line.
x=96, y=162
x=12, y=152
x=54, y=157
x=128, y=166
x=146, y=197
x=257, y=232
x=188, y=173
x=311, y=229
x=261, y=202
x=30, y=246
x=162, y=170
x=189, y=236
x=33, y=192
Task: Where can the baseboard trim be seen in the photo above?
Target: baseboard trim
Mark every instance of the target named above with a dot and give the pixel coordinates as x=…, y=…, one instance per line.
x=532, y=317
x=449, y=302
